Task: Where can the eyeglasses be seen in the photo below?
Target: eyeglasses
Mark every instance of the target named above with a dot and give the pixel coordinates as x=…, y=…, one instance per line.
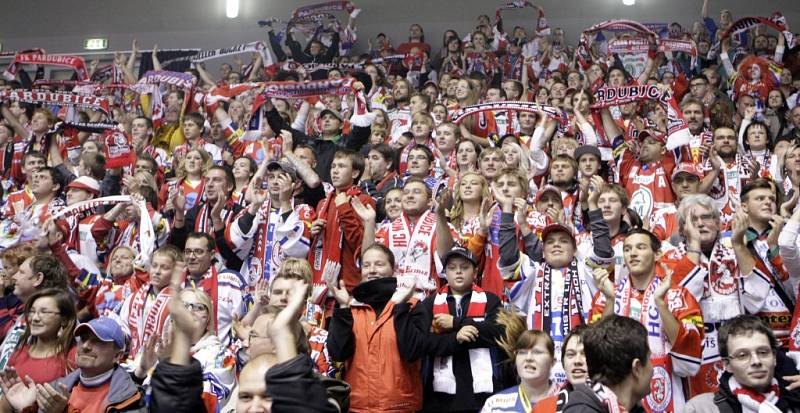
x=43, y=313
x=196, y=252
x=762, y=353
x=195, y=307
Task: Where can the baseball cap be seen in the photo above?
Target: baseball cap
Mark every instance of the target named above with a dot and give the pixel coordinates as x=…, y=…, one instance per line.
x=335, y=114
x=284, y=165
x=462, y=252
x=545, y=189
x=688, y=168
x=557, y=228
x=105, y=329
x=85, y=183
x=657, y=136
x=587, y=150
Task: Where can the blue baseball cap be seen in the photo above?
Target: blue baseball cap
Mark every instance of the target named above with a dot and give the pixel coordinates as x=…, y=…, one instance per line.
x=105, y=329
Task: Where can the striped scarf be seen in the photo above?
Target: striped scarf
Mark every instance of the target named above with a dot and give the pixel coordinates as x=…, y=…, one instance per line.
x=480, y=361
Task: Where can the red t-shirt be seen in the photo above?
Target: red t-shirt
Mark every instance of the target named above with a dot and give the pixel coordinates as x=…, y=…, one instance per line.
x=42, y=370
x=88, y=399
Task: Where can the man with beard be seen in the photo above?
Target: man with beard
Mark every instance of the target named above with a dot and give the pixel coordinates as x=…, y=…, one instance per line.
x=563, y=175
x=400, y=115
x=726, y=172
x=705, y=264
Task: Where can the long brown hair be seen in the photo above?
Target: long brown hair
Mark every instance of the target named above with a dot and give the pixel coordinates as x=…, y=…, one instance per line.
x=457, y=211
x=66, y=309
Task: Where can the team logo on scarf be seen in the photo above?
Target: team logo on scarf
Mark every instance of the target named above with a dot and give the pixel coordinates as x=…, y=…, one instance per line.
x=542, y=28
x=551, y=111
x=57, y=98
x=73, y=62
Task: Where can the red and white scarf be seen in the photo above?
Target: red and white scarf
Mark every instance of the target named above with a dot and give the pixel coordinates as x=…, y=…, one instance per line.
x=150, y=323
x=530, y=107
x=480, y=360
x=73, y=62
x=642, y=46
x=755, y=402
x=326, y=263
x=204, y=222
x=661, y=398
x=209, y=283
x=542, y=28
x=57, y=98
x=413, y=251
x=677, y=131
x=608, y=398
x=317, y=8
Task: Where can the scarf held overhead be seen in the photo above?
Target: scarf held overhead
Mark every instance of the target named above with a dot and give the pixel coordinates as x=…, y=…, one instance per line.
x=542, y=28
x=56, y=98
x=551, y=111
x=73, y=62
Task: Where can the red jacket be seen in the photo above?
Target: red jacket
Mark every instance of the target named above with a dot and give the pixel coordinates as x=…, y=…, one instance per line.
x=380, y=379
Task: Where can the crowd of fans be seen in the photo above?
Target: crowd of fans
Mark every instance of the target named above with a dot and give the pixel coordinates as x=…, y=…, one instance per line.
x=511, y=223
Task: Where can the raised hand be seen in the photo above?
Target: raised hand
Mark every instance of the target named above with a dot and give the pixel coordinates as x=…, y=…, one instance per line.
x=596, y=185
x=739, y=226
x=602, y=280
x=442, y=204
x=666, y=283
x=148, y=357
x=20, y=394
x=402, y=294
x=788, y=207
x=178, y=198
x=690, y=230
x=340, y=294
x=487, y=215
x=364, y=211
x=521, y=212
x=50, y=399
x=262, y=292
x=776, y=222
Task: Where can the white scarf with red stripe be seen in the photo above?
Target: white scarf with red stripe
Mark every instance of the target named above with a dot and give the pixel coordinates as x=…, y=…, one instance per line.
x=754, y=402
x=150, y=323
x=413, y=251
x=480, y=360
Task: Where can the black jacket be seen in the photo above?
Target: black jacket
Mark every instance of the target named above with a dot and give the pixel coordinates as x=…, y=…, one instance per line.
x=324, y=149
x=415, y=341
x=176, y=388
x=295, y=389
x=299, y=55
x=727, y=402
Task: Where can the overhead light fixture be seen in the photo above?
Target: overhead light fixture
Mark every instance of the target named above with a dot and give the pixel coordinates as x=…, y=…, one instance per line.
x=98, y=43
x=231, y=8
x=629, y=2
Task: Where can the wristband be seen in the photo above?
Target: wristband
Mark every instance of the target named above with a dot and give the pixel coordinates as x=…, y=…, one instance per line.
x=694, y=250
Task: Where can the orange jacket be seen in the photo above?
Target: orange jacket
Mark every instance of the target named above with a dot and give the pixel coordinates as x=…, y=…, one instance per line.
x=380, y=379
